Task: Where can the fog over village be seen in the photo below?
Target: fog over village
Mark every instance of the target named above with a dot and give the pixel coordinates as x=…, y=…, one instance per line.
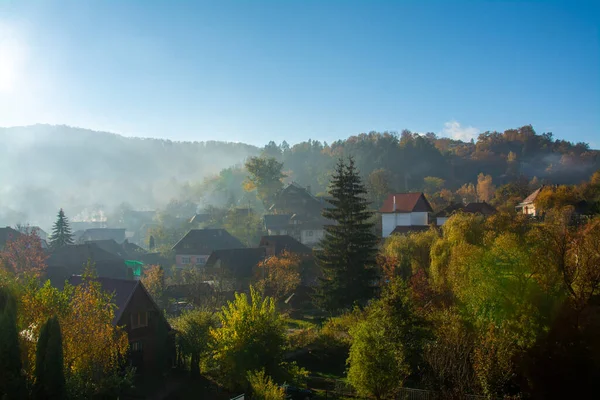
x=299, y=200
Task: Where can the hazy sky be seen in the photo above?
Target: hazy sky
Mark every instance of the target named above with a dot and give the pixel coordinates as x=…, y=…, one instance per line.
x=256, y=71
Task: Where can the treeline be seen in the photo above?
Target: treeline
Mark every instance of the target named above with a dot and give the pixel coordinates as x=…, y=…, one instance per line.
x=411, y=162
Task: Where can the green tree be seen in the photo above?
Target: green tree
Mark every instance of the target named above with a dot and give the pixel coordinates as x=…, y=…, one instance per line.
x=49, y=366
x=12, y=383
x=347, y=252
x=263, y=387
x=251, y=337
x=61, y=233
x=193, y=328
x=387, y=346
x=265, y=177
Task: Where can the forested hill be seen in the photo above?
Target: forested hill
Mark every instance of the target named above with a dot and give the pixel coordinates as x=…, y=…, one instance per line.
x=43, y=168
x=46, y=167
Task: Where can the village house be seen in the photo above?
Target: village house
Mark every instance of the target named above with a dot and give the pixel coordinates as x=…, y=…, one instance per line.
x=71, y=260
x=233, y=269
x=147, y=328
x=527, y=206
x=481, y=208
x=6, y=235
x=297, y=213
x=198, y=244
x=405, y=211
x=118, y=235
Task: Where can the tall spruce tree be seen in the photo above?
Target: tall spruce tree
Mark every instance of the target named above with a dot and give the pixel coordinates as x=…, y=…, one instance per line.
x=348, y=249
x=61, y=232
x=49, y=368
x=12, y=383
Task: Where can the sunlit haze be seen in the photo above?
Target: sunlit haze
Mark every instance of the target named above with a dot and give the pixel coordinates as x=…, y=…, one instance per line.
x=272, y=70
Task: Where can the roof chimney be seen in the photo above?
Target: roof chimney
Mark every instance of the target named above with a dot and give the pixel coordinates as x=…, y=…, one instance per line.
x=394, y=203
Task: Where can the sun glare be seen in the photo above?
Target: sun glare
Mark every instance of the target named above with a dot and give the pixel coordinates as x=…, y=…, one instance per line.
x=12, y=59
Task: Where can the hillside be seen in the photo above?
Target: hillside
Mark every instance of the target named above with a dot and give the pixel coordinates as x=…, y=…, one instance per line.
x=48, y=167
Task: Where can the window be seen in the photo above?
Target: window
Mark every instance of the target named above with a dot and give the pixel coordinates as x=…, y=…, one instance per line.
x=185, y=260
x=137, y=346
x=310, y=233
x=139, y=320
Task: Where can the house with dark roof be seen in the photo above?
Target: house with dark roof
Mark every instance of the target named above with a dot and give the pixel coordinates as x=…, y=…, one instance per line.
x=118, y=235
x=296, y=212
x=232, y=269
x=404, y=210
x=198, y=244
x=277, y=244
x=147, y=329
x=71, y=260
x=481, y=208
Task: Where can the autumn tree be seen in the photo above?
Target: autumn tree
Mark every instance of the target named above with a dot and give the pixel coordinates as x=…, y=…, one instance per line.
x=251, y=336
x=49, y=367
x=23, y=256
x=378, y=185
x=265, y=177
x=94, y=349
x=153, y=279
x=263, y=387
x=12, y=384
x=193, y=340
x=61, y=232
x=485, y=188
x=278, y=276
x=387, y=346
x=467, y=193
x=432, y=184
x=347, y=252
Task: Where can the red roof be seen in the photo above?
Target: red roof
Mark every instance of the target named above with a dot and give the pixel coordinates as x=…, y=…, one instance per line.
x=406, y=203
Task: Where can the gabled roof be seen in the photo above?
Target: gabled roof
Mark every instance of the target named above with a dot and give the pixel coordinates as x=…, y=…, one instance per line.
x=117, y=234
x=79, y=254
x=406, y=203
x=133, y=249
x=122, y=291
x=531, y=198
x=448, y=211
x=277, y=221
x=110, y=246
x=205, y=241
x=284, y=242
x=7, y=234
x=482, y=208
x=402, y=230
x=240, y=261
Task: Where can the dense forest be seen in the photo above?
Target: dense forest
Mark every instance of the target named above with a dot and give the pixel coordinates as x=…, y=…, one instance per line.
x=99, y=171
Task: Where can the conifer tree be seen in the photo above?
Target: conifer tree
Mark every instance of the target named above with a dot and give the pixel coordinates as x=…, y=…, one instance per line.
x=61, y=232
x=49, y=368
x=12, y=383
x=347, y=251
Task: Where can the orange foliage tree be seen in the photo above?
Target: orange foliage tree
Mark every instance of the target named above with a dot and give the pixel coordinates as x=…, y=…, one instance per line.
x=278, y=276
x=94, y=349
x=23, y=256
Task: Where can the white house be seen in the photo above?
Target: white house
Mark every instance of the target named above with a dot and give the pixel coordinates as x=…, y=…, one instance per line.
x=527, y=206
x=404, y=209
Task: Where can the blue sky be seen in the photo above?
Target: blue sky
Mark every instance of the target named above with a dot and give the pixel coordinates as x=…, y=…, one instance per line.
x=255, y=71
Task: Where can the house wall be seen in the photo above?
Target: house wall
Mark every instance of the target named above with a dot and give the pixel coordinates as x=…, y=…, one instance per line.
x=530, y=210
x=310, y=237
x=148, y=336
x=441, y=220
x=389, y=221
x=188, y=260
x=419, y=218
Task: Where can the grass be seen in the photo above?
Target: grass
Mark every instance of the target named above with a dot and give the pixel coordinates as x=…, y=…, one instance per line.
x=293, y=323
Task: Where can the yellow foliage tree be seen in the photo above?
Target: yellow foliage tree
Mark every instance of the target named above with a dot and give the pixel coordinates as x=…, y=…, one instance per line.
x=485, y=188
x=93, y=347
x=278, y=276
